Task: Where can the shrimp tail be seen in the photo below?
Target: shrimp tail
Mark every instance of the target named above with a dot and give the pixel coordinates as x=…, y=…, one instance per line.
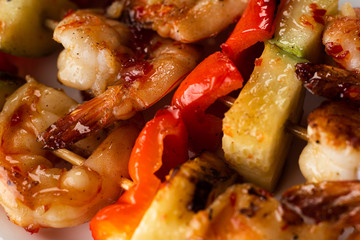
x=83, y=121
x=330, y=82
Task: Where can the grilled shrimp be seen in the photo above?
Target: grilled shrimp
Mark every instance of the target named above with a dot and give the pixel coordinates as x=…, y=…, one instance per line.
x=95, y=50
x=330, y=82
x=247, y=212
x=341, y=38
x=37, y=188
x=187, y=20
x=335, y=202
x=100, y=52
x=139, y=75
x=333, y=150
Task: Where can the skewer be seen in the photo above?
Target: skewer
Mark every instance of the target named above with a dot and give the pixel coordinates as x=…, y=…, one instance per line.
x=227, y=101
x=295, y=129
x=126, y=183
x=77, y=160
x=69, y=156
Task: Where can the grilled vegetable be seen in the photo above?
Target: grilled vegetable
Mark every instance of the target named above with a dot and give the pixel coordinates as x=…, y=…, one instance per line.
x=191, y=188
x=214, y=77
x=161, y=146
x=254, y=141
x=300, y=24
x=23, y=31
x=255, y=25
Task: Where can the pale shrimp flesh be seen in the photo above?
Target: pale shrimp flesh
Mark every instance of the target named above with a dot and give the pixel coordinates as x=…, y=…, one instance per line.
x=333, y=150
x=244, y=211
x=187, y=20
x=39, y=189
x=142, y=75
x=95, y=50
x=341, y=38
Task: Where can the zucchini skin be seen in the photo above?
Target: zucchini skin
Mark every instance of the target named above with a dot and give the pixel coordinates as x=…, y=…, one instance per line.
x=299, y=27
x=255, y=142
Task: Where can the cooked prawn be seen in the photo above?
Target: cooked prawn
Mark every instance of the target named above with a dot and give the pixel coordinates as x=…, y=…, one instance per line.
x=247, y=212
x=330, y=82
x=333, y=151
x=37, y=188
x=100, y=52
x=95, y=50
x=341, y=38
x=187, y=20
x=136, y=82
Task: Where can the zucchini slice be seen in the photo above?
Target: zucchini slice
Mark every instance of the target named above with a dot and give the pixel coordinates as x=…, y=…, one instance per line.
x=255, y=142
x=22, y=26
x=191, y=188
x=300, y=24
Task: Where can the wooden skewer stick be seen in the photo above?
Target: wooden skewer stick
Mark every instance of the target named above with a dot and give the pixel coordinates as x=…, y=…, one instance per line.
x=70, y=157
x=295, y=129
x=77, y=160
x=227, y=101
x=126, y=183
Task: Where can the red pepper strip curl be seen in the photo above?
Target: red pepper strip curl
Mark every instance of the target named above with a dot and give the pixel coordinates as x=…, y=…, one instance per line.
x=218, y=76
x=214, y=77
x=255, y=25
x=161, y=146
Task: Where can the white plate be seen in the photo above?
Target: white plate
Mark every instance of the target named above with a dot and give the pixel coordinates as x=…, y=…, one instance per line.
x=44, y=70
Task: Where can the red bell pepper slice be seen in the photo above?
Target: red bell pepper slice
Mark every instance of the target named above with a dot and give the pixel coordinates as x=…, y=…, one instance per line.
x=255, y=25
x=214, y=77
x=161, y=146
